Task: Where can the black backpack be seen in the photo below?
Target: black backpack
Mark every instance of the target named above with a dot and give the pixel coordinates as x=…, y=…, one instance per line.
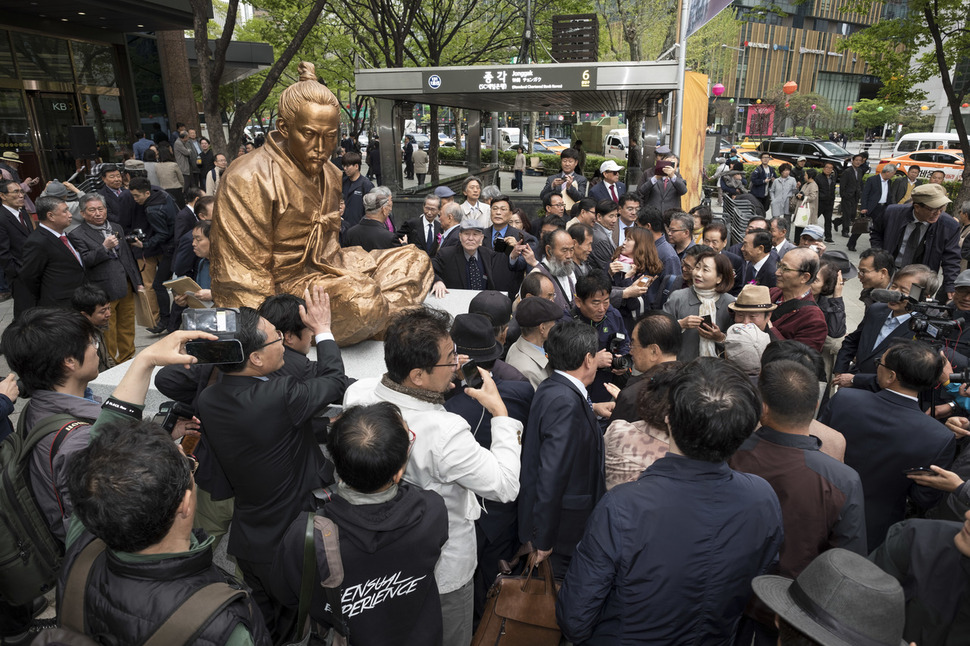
x=30, y=556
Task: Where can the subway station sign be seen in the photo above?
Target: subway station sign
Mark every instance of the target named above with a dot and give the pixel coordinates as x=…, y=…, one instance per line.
x=509, y=79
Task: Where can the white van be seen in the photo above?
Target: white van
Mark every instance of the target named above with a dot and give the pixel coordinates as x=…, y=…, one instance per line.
x=617, y=143
x=507, y=137
x=914, y=141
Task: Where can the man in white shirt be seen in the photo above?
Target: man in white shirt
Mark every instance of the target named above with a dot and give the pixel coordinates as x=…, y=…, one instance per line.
x=779, y=236
x=421, y=362
x=450, y=217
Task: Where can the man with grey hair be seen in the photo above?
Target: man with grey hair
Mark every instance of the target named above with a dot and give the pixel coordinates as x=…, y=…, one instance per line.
x=489, y=193
x=372, y=231
x=451, y=216
x=680, y=233
x=52, y=268
x=425, y=232
x=963, y=217
x=797, y=316
x=110, y=265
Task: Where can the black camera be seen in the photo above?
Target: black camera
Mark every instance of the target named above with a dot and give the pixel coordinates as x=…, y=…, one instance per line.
x=170, y=412
x=615, y=346
x=501, y=246
x=135, y=235
x=932, y=322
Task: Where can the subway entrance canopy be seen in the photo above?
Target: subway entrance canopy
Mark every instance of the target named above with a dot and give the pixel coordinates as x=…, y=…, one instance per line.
x=567, y=87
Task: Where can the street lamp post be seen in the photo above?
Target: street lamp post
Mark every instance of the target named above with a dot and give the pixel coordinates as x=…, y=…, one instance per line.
x=737, y=88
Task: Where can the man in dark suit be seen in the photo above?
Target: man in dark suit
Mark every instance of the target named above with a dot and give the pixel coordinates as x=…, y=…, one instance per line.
x=508, y=276
x=52, y=268
x=886, y=434
x=611, y=188
x=760, y=265
x=121, y=206
x=562, y=476
x=761, y=179
x=425, y=232
x=901, y=189
x=876, y=195
x=497, y=528
x=570, y=181
x=850, y=190
x=882, y=325
x=826, y=181
x=466, y=265
x=662, y=186
x=15, y=226
x=109, y=264
x=922, y=233
x=261, y=433
x=187, y=218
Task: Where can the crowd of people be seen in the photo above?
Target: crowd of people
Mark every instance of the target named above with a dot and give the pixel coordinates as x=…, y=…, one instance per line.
x=687, y=431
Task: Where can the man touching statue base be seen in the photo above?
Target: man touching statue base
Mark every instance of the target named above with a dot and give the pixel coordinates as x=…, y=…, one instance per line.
x=276, y=226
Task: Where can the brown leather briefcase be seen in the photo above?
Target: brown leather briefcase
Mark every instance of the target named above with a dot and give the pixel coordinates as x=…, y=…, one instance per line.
x=520, y=609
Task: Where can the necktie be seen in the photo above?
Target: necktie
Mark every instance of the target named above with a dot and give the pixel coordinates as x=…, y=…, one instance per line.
x=475, y=279
x=429, y=241
x=71, y=249
x=912, y=243
x=666, y=181
x=749, y=274
x=613, y=193
x=25, y=220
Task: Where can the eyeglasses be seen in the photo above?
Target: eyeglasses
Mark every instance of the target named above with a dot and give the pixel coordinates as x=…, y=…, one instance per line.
x=18, y=191
x=782, y=267
x=880, y=363
x=677, y=230
x=279, y=339
x=453, y=364
x=193, y=464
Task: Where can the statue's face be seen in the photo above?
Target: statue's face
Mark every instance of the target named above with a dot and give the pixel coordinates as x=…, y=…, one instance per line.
x=312, y=136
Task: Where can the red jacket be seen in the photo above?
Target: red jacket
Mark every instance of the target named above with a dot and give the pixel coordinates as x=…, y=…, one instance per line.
x=805, y=324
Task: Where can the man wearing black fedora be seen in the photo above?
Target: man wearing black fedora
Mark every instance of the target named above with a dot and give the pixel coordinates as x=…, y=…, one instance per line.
x=497, y=528
x=840, y=599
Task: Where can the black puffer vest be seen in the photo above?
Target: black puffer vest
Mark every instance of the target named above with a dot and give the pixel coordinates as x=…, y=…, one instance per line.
x=126, y=602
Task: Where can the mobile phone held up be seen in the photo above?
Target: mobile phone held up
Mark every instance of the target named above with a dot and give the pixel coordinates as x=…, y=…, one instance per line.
x=471, y=376
x=223, y=351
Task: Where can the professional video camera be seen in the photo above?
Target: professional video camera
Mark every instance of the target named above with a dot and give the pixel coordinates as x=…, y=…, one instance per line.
x=930, y=321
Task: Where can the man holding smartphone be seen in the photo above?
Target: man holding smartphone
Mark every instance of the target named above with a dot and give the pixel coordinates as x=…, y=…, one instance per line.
x=261, y=433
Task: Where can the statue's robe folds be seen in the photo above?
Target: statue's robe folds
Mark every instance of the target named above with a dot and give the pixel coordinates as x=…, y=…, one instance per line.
x=275, y=230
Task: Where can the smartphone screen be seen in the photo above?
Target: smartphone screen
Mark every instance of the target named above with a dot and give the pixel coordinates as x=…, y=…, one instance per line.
x=471, y=376
x=226, y=351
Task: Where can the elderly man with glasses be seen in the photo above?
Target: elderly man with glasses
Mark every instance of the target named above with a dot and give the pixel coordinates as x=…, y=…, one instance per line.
x=421, y=360
x=15, y=226
x=922, y=233
x=797, y=316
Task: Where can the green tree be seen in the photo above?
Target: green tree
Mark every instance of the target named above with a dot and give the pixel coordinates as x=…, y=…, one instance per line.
x=929, y=39
x=704, y=51
x=873, y=113
x=211, y=56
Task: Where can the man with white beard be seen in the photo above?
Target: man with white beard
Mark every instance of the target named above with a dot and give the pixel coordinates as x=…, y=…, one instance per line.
x=557, y=265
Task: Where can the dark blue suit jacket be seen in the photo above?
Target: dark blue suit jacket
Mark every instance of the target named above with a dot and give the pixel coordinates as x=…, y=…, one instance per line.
x=737, y=262
x=886, y=433
x=942, y=240
x=599, y=192
x=860, y=345
x=766, y=275
x=563, y=472
x=517, y=396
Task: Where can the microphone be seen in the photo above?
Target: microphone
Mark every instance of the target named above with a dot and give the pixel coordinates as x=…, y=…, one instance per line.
x=886, y=296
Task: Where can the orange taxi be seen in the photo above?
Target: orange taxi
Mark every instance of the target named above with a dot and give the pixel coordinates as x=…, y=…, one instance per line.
x=950, y=161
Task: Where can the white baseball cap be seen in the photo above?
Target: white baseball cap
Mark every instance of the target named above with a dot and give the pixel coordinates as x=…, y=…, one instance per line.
x=610, y=165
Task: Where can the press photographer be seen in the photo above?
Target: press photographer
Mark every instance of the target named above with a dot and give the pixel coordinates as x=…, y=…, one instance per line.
x=592, y=307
